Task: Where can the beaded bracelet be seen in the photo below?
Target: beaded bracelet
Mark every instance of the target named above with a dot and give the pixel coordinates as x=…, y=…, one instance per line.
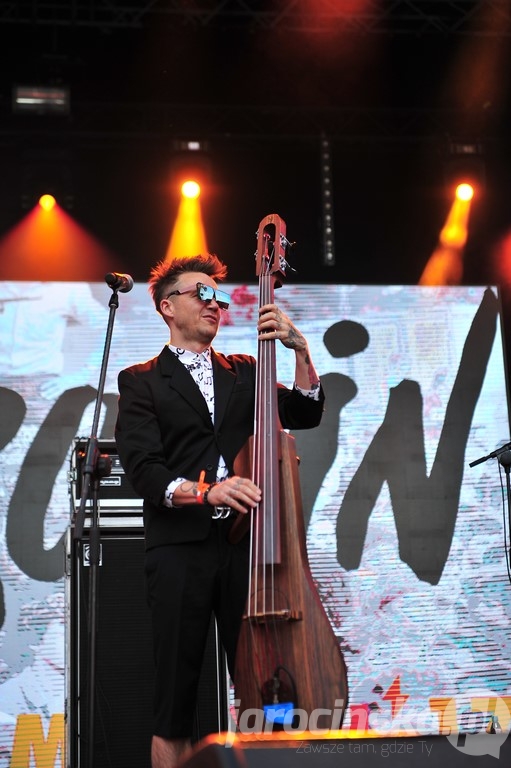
x=206, y=492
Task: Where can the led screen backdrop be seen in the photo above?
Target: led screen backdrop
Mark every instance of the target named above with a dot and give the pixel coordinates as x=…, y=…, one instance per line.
x=406, y=541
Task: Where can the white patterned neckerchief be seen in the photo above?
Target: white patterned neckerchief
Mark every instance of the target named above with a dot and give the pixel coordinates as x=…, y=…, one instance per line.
x=200, y=367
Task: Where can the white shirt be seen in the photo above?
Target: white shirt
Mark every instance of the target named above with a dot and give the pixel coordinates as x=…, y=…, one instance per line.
x=200, y=368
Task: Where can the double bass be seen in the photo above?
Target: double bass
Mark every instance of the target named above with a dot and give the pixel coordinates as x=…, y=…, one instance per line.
x=289, y=665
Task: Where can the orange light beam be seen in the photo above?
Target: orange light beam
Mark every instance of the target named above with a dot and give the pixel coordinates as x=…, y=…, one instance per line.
x=188, y=236
x=50, y=245
x=445, y=265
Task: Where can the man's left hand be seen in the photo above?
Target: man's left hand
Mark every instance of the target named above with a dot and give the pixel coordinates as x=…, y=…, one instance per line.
x=275, y=324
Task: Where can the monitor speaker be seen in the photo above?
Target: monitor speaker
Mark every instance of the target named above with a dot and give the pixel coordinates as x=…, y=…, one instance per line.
x=123, y=678
x=352, y=751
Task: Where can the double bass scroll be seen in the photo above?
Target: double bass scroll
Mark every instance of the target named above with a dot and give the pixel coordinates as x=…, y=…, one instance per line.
x=288, y=657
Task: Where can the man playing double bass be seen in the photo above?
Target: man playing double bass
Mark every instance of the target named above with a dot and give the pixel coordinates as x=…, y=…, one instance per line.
x=183, y=418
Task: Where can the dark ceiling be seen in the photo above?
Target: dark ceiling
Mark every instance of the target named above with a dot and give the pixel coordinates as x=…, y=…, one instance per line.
x=391, y=84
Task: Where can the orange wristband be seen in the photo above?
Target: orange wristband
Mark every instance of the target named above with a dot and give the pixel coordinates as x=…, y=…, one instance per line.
x=202, y=487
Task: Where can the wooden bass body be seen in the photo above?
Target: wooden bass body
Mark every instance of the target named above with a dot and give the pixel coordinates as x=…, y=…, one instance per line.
x=287, y=649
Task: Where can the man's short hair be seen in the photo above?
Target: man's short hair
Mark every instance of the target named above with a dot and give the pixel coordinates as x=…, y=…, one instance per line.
x=166, y=273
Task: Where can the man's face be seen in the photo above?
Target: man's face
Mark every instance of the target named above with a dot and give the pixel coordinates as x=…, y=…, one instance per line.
x=193, y=322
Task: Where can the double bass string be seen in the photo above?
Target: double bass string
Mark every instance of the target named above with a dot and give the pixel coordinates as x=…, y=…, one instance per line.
x=264, y=471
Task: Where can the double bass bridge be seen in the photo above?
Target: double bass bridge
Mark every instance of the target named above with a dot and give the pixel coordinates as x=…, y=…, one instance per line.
x=270, y=617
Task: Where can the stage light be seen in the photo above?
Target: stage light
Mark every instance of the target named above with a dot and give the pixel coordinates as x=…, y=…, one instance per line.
x=190, y=189
x=191, y=146
x=465, y=191
x=46, y=170
x=40, y=99
x=327, y=202
x=464, y=166
x=190, y=163
x=445, y=265
x=190, y=176
x=47, y=202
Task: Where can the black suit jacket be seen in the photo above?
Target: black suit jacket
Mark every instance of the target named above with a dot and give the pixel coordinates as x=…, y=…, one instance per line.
x=164, y=431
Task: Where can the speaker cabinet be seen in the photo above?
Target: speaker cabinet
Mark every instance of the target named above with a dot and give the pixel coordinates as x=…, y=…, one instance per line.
x=123, y=679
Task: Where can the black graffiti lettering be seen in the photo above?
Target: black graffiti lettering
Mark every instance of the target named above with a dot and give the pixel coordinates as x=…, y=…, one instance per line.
x=31, y=496
x=425, y=508
x=13, y=410
x=317, y=448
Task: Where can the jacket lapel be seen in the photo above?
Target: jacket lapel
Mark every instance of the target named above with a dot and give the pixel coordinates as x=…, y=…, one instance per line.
x=182, y=382
x=224, y=379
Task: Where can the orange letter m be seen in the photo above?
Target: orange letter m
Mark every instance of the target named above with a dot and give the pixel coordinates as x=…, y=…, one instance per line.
x=29, y=737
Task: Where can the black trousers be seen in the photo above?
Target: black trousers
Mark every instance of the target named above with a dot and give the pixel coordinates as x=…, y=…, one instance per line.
x=186, y=583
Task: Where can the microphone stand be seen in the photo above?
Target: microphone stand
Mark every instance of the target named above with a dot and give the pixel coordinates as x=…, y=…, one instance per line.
x=503, y=454
x=505, y=461
x=96, y=466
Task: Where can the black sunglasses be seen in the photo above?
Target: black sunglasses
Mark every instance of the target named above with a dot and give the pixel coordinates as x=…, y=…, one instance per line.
x=206, y=293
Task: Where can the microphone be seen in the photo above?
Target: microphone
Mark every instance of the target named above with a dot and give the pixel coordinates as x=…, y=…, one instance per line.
x=118, y=282
x=493, y=455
